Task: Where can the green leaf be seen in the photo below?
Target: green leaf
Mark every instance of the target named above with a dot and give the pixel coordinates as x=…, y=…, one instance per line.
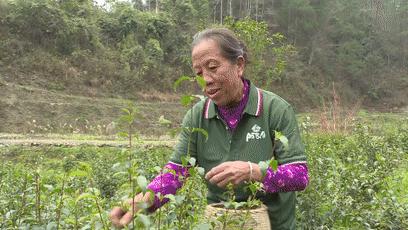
x=119, y=174
x=184, y=160
x=171, y=197
x=203, y=226
x=273, y=165
x=180, y=80
x=200, y=171
x=85, y=167
x=253, y=187
x=282, y=138
x=277, y=135
x=201, y=97
x=192, y=171
x=126, y=111
x=116, y=166
x=142, y=182
x=123, y=134
x=163, y=121
x=85, y=196
x=144, y=219
x=186, y=100
x=192, y=161
x=263, y=165
x=49, y=187
x=51, y=225
x=95, y=191
x=284, y=141
x=202, y=131
x=152, y=194
x=179, y=199
x=238, y=205
x=127, y=119
x=201, y=82
x=157, y=169
x=78, y=173
x=174, y=131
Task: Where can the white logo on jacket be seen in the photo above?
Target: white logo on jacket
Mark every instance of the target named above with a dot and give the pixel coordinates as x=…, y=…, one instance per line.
x=256, y=133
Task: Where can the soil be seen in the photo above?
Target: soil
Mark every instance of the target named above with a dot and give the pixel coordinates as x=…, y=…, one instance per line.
x=73, y=142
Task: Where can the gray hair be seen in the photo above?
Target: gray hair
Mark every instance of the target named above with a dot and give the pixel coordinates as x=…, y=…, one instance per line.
x=231, y=47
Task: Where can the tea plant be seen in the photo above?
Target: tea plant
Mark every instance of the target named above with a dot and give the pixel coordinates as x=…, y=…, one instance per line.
x=348, y=180
x=182, y=209
x=357, y=181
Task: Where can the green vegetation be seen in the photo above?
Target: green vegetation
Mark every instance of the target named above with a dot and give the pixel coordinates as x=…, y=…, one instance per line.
x=67, y=68
x=355, y=179
x=358, y=180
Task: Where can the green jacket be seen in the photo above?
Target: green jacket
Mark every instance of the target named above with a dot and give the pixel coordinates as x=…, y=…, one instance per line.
x=252, y=141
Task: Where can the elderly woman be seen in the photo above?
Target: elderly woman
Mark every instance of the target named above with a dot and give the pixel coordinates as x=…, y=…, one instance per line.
x=240, y=119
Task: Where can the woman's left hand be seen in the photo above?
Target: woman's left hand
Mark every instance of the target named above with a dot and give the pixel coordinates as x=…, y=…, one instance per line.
x=234, y=172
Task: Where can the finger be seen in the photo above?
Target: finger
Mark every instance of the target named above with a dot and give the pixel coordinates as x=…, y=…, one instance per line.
x=219, y=177
x=115, y=216
x=126, y=219
x=216, y=170
x=134, y=201
x=224, y=182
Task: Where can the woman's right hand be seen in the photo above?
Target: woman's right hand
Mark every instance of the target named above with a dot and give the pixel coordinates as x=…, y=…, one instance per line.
x=121, y=217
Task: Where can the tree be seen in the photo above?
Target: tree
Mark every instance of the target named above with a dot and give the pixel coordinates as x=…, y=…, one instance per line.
x=267, y=52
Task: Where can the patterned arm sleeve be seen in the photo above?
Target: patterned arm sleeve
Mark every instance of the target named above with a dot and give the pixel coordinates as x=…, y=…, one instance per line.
x=167, y=183
x=288, y=177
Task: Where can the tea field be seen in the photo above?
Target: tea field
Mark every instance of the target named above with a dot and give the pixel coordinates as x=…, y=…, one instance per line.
x=358, y=180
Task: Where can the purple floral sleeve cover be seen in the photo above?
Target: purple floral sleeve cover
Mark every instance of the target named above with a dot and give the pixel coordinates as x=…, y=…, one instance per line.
x=167, y=183
x=288, y=177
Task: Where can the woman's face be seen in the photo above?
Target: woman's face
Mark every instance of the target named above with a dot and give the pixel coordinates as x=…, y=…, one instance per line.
x=222, y=77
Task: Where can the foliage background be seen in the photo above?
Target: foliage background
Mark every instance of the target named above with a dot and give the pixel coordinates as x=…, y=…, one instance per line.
x=82, y=48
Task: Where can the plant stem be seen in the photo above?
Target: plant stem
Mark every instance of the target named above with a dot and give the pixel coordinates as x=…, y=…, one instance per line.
x=60, y=202
x=132, y=183
x=161, y=185
x=23, y=201
x=38, y=197
x=133, y=201
x=130, y=136
x=97, y=205
x=225, y=223
x=76, y=218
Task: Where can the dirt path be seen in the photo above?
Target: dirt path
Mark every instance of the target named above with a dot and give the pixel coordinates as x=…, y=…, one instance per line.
x=75, y=142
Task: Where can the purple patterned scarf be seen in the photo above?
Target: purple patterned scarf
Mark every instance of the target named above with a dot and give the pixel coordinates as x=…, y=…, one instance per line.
x=232, y=115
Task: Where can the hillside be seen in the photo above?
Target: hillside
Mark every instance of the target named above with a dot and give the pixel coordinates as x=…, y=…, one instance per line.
x=32, y=110
x=70, y=66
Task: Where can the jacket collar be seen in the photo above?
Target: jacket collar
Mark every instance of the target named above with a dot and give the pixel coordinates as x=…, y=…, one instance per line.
x=253, y=106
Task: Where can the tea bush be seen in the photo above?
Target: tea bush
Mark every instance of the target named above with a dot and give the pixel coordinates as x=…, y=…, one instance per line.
x=357, y=181
x=352, y=180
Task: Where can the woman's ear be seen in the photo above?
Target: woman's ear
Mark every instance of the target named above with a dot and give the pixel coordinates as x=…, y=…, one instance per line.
x=241, y=65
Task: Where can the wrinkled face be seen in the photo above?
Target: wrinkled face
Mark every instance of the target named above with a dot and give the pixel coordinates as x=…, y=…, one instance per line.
x=223, y=77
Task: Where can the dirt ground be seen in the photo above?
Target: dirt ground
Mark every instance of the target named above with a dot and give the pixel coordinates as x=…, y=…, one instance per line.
x=39, y=141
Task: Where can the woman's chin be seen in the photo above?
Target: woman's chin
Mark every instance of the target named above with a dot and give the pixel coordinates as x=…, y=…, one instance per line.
x=219, y=102
x=216, y=98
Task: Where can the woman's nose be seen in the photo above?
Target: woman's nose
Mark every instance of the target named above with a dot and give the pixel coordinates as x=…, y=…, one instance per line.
x=207, y=77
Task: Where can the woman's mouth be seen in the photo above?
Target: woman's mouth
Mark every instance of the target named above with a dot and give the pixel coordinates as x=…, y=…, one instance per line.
x=212, y=92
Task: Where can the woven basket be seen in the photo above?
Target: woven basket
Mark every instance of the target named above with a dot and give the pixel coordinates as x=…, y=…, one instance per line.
x=256, y=218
